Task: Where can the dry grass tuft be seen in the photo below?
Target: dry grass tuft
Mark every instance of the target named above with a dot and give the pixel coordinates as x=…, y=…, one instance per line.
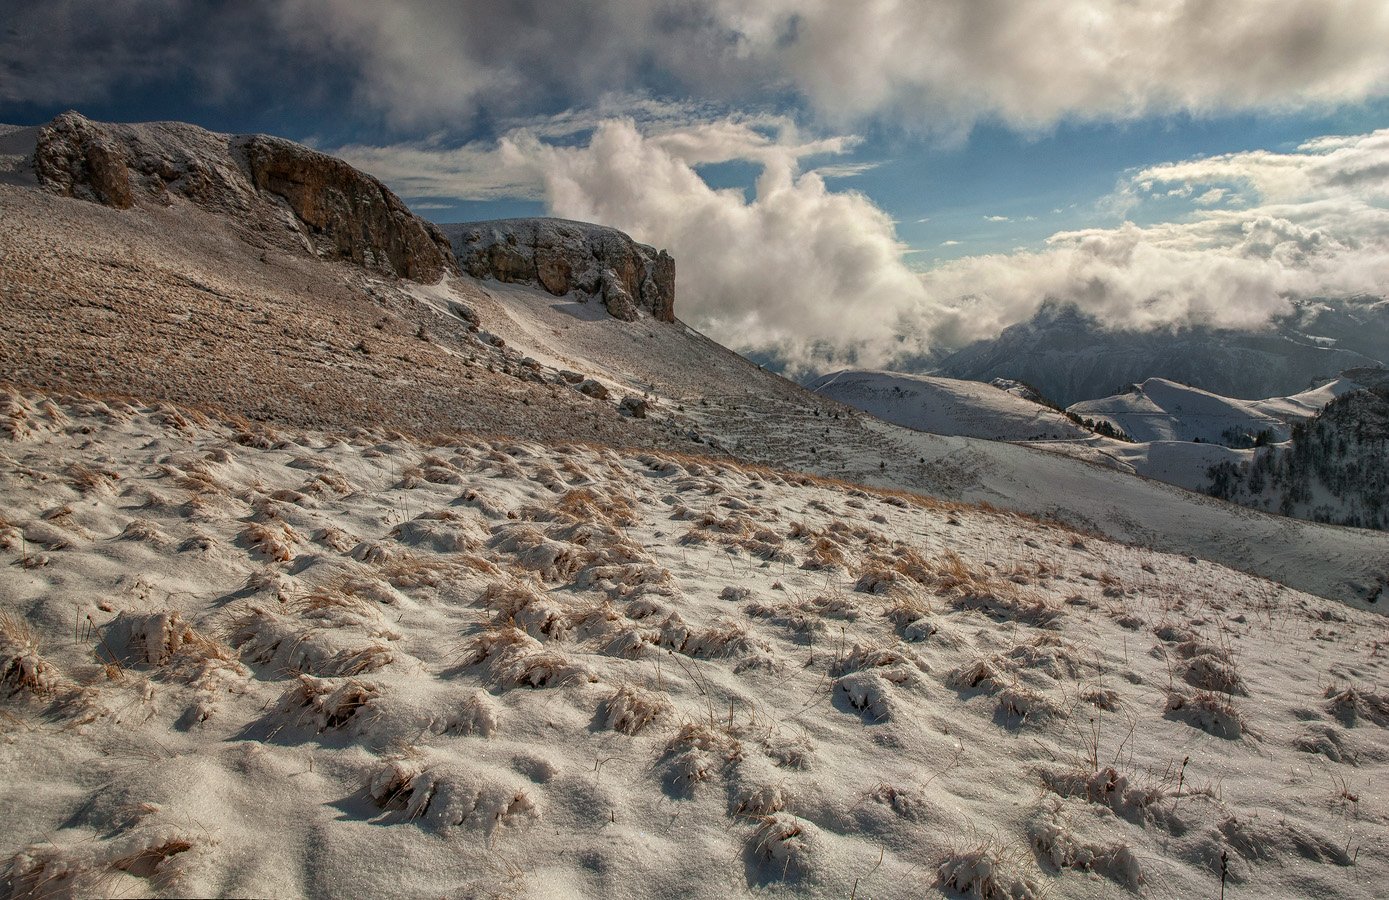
x=988, y=870
x=513, y=658
x=324, y=703
x=274, y=540
x=629, y=709
x=1213, y=713
x=1351, y=705
x=697, y=752
x=23, y=670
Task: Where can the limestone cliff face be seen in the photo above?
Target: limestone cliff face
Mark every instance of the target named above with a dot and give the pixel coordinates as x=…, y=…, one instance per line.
x=262, y=182
x=563, y=256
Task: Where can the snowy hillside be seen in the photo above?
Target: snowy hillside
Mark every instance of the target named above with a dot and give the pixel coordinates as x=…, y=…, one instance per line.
x=1163, y=410
x=254, y=661
x=947, y=406
x=186, y=303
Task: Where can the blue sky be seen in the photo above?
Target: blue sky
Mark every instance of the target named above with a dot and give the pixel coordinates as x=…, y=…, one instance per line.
x=835, y=189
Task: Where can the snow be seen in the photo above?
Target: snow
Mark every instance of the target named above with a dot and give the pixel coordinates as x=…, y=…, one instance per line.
x=714, y=674
x=1162, y=410
x=946, y=406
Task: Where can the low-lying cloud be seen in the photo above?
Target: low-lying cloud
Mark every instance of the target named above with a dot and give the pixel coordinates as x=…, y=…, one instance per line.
x=1264, y=228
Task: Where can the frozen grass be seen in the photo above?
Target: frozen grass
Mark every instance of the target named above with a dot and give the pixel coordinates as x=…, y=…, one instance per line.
x=23, y=670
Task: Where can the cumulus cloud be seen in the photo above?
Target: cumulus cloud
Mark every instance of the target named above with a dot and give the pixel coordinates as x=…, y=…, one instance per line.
x=812, y=276
x=939, y=65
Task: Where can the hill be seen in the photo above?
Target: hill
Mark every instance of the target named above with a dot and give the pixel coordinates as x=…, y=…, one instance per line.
x=947, y=406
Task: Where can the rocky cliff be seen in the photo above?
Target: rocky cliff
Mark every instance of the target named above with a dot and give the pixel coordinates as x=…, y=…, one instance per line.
x=563, y=256
x=265, y=182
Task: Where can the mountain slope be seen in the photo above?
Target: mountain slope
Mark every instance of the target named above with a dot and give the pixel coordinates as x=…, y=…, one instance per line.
x=184, y=303
x=1335, y=468
x=947, y=406
x=1162, y=410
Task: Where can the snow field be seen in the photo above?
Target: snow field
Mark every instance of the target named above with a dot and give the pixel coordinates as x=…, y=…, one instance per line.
x=245, y=661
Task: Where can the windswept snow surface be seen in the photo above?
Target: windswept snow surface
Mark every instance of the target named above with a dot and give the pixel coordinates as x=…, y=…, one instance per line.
x=947, y=406
x=243, y=661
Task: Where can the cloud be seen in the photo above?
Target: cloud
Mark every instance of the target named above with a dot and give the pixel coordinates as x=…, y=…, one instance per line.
x=818, y=278
x=944, y=65
x=811, y=276
x=997, y=219
x=1314, y=223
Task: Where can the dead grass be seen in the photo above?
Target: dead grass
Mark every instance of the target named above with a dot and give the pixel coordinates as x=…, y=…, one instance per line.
x=23, y=670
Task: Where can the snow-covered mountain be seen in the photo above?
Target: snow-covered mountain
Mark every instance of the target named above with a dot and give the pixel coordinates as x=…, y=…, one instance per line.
x=1162, y=410
x=1070, y=358
x=330, y=570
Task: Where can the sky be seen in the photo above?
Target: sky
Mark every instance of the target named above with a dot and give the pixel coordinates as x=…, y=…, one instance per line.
x=840, y=184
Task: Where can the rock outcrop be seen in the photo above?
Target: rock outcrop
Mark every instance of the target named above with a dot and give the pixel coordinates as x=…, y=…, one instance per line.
x=563, y=256
x=263, y=182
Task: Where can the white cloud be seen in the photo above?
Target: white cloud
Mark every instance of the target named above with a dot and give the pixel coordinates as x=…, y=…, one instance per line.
x=813, y=275
x=931, y=65
x=997, y=219
x=1315, y=225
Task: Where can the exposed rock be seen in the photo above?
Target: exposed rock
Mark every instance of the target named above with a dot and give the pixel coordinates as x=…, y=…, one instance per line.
x=592, y=388
x=563, y=256
x=636, y=407
x=263, y=182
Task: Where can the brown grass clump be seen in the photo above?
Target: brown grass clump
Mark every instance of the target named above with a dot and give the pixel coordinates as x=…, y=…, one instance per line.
x=442, y=532
x=23, y=670
x=629, y=709
x=523, y=605
x=270, y=636
x=86, y=480
x=513, y=658
x=277, y=541
x=326, y=704
x=1213, y=713
x=159, y=855
x=447, y=793
x=988, y=870
x=697, y=752
x=1352, y=704
x=534, y=550
x=785, y=847
x=969, y=590
x=164, y=639
x=978, y=674
x=1055, y=842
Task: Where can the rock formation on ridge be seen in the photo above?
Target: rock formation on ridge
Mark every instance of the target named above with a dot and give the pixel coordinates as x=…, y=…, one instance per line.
x=271, y=183
x=564, y=256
